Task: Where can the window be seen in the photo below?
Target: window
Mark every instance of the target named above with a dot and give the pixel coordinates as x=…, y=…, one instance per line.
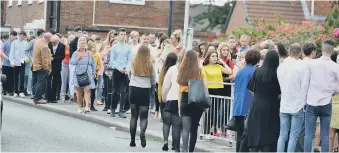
x=30, y=2
x=19, y=3
x=130, y=2
x=41, y=1
x=9, y=3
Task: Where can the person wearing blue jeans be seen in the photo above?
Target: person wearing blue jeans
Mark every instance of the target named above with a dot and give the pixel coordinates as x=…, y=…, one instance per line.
x=100, y=86
x=28, y=79
x=320, y=83
x=325, y=114
x=292, y=102
x=152, y=98
x=290, y=127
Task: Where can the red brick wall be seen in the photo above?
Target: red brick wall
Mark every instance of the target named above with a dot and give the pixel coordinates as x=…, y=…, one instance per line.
x=152, y=14
x=320, y=7
x=18, y=16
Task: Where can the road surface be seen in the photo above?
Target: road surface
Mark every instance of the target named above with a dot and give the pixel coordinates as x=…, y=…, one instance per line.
x=28, y=129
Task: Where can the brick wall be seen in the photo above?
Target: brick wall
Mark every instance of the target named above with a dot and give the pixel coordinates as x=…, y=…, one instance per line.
x=18, y=16
x=152, y=14
x=320, y=7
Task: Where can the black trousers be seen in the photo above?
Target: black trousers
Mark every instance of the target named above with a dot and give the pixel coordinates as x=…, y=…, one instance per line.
x=19, y=78
x=8, y=85
x=40, y=86
x=108, y=91
x=120, y=84
x=240, y=124
x=54, y=81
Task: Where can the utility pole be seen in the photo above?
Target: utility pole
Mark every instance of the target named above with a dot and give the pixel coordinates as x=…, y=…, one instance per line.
x=170, y=9
x=187, y=8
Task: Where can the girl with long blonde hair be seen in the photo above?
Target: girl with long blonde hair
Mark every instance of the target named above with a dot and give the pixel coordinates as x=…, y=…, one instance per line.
x=141, y=81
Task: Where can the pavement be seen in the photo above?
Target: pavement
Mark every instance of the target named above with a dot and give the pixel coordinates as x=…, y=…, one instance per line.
x=100, y=118
x=29, y=129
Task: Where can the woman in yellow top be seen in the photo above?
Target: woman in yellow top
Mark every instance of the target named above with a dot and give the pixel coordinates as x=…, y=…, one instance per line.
x=213, y=68
x=91, y=45
x=190, y=115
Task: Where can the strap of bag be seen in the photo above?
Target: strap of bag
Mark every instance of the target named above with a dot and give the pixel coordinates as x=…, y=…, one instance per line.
x=87, y=63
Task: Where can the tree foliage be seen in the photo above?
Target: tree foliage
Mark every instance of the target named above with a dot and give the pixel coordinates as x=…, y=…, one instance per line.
x=215, y=15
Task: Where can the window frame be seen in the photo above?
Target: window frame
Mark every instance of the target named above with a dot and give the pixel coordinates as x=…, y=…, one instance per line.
x=10, y=3
x=128, y=2
x=41, y=1
x=19, y=3
x=30, y=2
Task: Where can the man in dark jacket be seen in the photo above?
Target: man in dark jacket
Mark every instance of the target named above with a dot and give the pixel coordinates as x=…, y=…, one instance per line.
x=74, y=43
x=54, y=80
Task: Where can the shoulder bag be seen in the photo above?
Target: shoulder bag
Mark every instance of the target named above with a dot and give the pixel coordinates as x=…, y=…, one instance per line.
x=83, y=78
x=197, y=94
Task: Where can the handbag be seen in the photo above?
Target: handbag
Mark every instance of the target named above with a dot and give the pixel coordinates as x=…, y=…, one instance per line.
x=231, y=125
x=83, y=78
x=197, y=94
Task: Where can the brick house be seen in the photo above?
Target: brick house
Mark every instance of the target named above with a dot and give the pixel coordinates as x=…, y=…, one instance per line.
x=295, y=11
x=96, y=17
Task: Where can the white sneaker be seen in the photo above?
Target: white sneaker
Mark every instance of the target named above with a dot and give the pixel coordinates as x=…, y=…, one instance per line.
x=22, y=95
x=109, y=111
x=15, y=95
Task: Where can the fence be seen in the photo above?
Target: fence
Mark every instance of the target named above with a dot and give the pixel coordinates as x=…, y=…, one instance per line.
x=214, y=120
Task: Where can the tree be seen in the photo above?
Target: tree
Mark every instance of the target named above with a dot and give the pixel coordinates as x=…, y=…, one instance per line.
x=215, y=15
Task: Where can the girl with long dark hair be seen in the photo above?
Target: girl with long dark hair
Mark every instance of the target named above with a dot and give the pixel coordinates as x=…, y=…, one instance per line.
x=263, y=118
x=170, y=114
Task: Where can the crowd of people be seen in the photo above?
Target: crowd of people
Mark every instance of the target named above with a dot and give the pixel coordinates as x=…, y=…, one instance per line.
x=278, y=94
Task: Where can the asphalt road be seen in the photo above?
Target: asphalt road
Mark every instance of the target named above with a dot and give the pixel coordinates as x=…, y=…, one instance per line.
x=28, y=129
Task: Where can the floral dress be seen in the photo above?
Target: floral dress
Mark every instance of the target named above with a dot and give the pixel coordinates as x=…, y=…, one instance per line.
x=86, y=62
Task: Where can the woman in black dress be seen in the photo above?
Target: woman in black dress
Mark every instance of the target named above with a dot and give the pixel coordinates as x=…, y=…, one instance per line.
x=263, y=119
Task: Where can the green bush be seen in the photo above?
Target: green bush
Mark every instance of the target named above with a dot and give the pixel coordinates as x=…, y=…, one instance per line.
x=285, y=33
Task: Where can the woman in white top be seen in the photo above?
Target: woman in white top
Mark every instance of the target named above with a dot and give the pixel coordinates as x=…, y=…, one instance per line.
x=170, y=113
x=142, y=79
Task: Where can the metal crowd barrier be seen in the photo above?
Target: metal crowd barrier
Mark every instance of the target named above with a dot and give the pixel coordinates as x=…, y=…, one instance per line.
x=214, y=120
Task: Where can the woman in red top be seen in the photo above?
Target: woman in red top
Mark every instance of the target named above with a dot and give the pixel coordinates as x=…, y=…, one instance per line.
x=225, y=54
x=65, y=71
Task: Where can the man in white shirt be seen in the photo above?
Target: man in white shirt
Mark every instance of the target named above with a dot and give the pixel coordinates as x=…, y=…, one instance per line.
x=319, y=85
x=17, y=60
x=135, y=43
x=290, y=74
x=153, y=50
x=309, y=54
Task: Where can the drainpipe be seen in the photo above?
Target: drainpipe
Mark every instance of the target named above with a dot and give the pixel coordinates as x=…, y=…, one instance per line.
x=58, y=16
x=170, y=18
x=51, y=15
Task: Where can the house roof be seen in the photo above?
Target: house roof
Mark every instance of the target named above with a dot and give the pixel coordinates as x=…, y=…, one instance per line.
x=290, y=12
